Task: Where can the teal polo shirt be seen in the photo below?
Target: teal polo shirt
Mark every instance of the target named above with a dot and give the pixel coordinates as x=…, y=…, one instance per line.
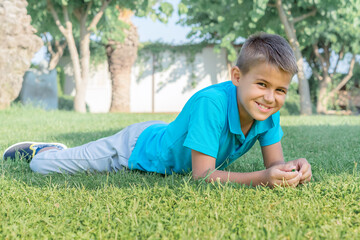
x=209, y=123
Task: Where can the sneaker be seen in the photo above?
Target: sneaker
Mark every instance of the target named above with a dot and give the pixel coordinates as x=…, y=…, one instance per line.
x=27, y=150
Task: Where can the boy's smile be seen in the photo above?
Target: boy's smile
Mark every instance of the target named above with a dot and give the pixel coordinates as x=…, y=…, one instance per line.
x=261, y=92
x=263, y=107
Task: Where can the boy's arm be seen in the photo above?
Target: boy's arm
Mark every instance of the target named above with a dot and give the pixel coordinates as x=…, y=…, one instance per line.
x=272, y=155
x=203, y=166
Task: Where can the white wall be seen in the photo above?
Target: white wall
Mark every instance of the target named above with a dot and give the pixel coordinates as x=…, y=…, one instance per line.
x=174, y=85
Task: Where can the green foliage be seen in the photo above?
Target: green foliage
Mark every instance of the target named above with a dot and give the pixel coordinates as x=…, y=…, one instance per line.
x=60, y=77
x=112, y=28
x=292, y=102
x=243, y=18
x=109, y=26
x=98, y=53
x=40, y=15
x=137, y=205
x=333, y=20
x=332, y=30
x=166, y=9
x=182, y=9
x=258, y=10
x=333, y=23
x=66, y=103
x=314, y=86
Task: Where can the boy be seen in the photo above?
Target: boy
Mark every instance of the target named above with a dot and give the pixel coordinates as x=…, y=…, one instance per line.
x=216, y=126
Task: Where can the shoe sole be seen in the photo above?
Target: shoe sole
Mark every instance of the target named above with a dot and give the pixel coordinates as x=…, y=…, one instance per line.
x=17, y=144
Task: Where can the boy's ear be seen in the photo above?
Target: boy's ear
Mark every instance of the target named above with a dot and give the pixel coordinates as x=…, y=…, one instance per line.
x=235, y=75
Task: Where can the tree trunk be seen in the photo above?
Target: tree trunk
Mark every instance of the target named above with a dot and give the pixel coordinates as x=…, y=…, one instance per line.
x=81, y=67
x=85, y=65
x=322, y=101
x=79, y=101
x=324, y=95
x=305, y=102
x=120, y=99
x=121, y=57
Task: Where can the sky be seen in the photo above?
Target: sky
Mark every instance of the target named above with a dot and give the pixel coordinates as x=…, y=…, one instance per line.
x=170, y=33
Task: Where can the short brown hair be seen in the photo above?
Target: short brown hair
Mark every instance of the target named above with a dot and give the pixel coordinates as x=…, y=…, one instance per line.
x=269, y=48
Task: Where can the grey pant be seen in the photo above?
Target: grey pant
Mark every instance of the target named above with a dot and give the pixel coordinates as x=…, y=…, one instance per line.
x=106, y=154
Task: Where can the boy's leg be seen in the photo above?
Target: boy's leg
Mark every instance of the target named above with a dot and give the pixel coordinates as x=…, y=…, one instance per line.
x=27, y=150
x=106, y=154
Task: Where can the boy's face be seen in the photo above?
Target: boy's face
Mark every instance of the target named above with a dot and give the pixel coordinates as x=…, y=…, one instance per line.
x=261, y=91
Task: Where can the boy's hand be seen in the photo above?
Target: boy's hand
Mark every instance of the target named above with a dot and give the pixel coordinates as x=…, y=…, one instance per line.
x=281, y=175
x=301, y=165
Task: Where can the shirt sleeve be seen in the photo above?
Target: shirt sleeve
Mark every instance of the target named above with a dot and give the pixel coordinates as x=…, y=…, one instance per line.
x=274, y=134
x=206, y=122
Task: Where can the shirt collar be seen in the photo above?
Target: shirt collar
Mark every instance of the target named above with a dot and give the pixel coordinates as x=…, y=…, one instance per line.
x=262, y=126
x=234, y=118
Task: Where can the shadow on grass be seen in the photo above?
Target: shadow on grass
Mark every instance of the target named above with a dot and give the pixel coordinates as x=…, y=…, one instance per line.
x=21, y=172
x=331, y=150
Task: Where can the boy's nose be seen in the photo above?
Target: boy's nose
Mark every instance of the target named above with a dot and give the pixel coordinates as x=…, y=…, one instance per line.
x=269, y=97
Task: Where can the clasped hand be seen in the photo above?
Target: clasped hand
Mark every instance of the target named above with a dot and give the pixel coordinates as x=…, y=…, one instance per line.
x=283, y=174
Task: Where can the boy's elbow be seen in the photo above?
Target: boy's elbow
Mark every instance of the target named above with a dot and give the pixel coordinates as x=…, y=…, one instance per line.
x=196, y=175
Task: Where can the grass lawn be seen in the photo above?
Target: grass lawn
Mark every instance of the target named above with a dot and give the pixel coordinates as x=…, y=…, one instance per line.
x=137, y=205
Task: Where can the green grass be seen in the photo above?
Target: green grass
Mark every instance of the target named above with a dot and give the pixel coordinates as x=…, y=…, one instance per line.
x=137, y=205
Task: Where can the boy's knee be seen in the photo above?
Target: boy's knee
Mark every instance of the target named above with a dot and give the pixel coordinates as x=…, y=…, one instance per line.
x=36, y=166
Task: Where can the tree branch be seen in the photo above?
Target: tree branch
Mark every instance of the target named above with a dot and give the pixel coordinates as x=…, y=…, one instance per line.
x=86, y=14
x=60, y=47
x=49, y=47
x=309, y=14
x=288, y=26
x=98, y=16
x=318, y=55
x=327, y=54
x=66, y=14
x=77, y=14
x=341, y=55
x=346, y=78
x=62, y=29
x=314, y=67
x=317, y=75
x=55, y=58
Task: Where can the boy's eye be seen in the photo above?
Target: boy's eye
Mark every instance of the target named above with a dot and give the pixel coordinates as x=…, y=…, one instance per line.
x=281, y=91
x=261, y=84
